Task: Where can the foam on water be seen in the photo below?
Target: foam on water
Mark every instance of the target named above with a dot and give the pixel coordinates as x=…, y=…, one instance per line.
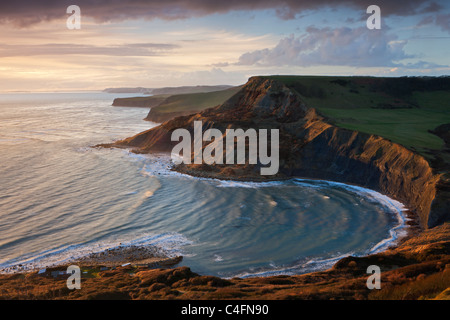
x=169, y=244
x=298, y=268
x=396, y=233
x=63, y=200
x=163, y=165
x=245, y=184
x=396, y=207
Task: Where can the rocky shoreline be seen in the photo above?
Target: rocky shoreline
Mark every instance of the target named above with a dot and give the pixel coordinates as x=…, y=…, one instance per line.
x=147, y=256
x=136, y=256
x=418, y=267
x=315, y=149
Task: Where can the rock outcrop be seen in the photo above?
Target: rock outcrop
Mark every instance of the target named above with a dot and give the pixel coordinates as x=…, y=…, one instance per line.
x=309, y=147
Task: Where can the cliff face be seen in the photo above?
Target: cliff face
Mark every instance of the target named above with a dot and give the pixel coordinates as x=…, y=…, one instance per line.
x=310, y=147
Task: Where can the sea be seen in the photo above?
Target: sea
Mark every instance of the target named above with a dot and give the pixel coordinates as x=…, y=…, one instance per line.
x=62, y=199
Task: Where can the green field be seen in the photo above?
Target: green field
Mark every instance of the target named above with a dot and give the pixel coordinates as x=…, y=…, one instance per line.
x=399, y=109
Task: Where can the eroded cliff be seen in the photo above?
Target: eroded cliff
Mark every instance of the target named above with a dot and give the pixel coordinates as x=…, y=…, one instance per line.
x=309, y=147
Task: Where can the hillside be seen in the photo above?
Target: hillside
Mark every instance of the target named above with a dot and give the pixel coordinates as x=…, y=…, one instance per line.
x=165, y=106
x=313, y=147
x=168, y=90
x=188, y=89
x=184, y=104
x=140, y=102
x=403, y=110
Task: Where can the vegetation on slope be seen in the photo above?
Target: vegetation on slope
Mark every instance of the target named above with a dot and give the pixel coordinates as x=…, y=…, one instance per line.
x=184, y=104
x=141, y=102
x=403, y=110
x=195, y=101
x=166, y=106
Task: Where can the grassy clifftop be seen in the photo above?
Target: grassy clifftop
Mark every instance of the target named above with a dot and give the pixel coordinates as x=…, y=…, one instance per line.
x=140, y=102
x=312, y=147
x=165, y=106
x=184, y=104
x=403, y=110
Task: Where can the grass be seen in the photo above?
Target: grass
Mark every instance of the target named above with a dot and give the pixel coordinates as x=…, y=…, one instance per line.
x=424, y=287
x=407, y=127
x=195, y=101
x=164, y=107
x=147, y=102
x=400, y=109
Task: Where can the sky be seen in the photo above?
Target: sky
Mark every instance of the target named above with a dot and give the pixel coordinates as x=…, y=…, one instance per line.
x=155, y=44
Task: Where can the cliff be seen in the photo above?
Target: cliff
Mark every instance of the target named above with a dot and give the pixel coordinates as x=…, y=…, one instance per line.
x=186, y=104
x=139, y=102
x=164, y=107
x=311, y=147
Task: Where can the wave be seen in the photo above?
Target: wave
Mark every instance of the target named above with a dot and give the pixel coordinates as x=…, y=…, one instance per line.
x=395, y=233
x=162, y=165
x=391, y=205
x=246, y=184
x=295, y=269
x=169, y=244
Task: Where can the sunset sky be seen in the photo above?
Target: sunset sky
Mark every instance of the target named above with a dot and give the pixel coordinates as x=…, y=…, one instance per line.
x=173, y=43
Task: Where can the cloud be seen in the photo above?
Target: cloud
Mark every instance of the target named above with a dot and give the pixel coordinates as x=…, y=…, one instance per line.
x=357, y=47
x=24, y=13
x=133, y=49
x=425, y=21
x=209, y=76
x=220, y=64
x=441, y=20
x=423, y=65
x=432, y=7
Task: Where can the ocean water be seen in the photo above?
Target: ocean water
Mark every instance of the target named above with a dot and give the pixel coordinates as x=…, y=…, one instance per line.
x=61, y=199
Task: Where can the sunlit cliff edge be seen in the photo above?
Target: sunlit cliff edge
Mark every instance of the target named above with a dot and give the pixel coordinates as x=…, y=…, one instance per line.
x=311, y=147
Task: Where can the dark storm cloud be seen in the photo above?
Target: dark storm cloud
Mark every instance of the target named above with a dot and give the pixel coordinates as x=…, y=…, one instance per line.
x=441, y=20
x=27, y=12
